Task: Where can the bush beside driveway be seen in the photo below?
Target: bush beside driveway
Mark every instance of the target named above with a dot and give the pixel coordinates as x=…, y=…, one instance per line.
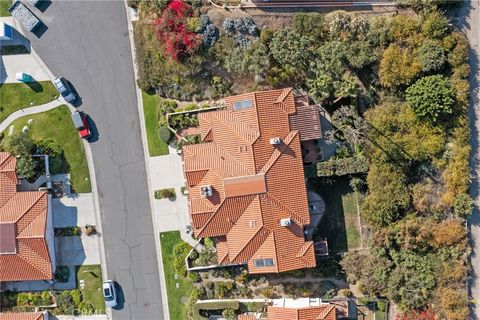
x=56, y=124
x=16, y=96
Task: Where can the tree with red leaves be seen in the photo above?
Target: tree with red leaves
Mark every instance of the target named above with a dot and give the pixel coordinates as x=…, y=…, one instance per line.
x=178, y=41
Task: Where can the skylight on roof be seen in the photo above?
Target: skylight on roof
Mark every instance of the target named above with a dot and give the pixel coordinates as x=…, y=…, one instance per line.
x=267, y=262
x=243, y=104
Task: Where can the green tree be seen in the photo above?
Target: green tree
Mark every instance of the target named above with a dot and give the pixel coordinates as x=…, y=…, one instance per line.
x=55, y=154
x=399, y=66
x=388, y=196
x=360, y=54
x=17, y=144
x=435, y=25
x=463, y=205
x=229, y=314
x=431, y=97
x=432, y=56
x=349, y=125
x=311, y=24
x=26, y=166
x=291, y=49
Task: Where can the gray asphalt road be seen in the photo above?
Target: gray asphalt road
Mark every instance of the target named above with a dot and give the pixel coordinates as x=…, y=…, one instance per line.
x=87, y=42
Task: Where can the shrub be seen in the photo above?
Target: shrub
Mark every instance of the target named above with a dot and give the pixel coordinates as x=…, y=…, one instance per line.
x=65, y=302
x=364, y=300
x=180, y=252
x=62, y=274
x=194, y=276
x=347, y=293
x=178, y=42
x=398, y=66
x=165, y=193
x=229, y=26
x=245, y=25
x=164, y=134
x=341, y=167
x=431, y=55
x=55, y=154
x=18, y=144
x=26, y=167
x=86, y=308
x=208, y=242
x=463, y=205
x=431, y=97
x=229, y=314
x=382, y=305
x=435, y=25
x=221, y=305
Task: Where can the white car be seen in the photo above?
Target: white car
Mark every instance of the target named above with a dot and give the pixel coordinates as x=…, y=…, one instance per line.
x=109, y=293
x=64, y=89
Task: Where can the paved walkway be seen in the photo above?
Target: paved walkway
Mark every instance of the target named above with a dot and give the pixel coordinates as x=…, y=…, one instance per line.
x=167, y=172
x=28, y=111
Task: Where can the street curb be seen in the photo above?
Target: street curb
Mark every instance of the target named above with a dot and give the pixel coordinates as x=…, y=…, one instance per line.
x=147, y=166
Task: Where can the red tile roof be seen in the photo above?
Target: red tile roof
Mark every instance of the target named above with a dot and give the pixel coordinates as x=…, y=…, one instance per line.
x=325, y=312
x=22, y=316
x=24, y=215
x=255, y=183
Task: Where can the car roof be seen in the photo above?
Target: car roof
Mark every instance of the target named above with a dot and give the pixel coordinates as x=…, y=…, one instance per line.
x=77, y=119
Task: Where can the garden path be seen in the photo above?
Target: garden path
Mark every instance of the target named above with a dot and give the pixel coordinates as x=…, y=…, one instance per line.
x=29, y=111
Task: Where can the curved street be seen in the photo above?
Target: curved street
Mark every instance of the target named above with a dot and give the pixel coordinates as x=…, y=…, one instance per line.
x=87, y=42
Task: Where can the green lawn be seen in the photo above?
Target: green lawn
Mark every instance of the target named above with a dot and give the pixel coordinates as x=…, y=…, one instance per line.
x=92, y=292
x=340, y=223
x=156, y=147
x=16, y=96
x=176, y=309
x=57, y=125
x=4, y=5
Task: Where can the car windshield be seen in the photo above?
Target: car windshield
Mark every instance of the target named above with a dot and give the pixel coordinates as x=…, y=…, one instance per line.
x=107, y=294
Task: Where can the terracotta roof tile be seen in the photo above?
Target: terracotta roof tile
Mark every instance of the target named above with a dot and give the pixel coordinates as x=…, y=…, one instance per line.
x=246, y=317
x=323, y=312
x=28, y=212
x=255, y=183
x=22, y=316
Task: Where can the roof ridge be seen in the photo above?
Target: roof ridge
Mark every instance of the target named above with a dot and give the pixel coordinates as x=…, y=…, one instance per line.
x=40, y=195
x=325, y=312
x=283, y=95
x=249, y=241
x=250, y=136
x=27, y=227
x=240, y=163
x=303, y=249
x=38, y=256
x=282, y=206
x=215, y=213
x=278, y=152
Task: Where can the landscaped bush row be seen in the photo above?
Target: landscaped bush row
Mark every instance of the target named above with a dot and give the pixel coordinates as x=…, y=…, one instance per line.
x=167, y=193
x=342, y=166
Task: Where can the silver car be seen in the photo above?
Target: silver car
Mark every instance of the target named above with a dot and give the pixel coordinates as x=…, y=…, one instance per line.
x=64, y=89
x=109, y=293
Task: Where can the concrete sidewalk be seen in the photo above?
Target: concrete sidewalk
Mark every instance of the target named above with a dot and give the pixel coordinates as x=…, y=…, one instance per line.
x=28, y=111
x=167, y=172
x=17, y=63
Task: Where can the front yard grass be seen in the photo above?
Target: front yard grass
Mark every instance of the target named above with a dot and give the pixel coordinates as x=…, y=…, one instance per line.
x=16, y=96
x=176, y=308
x=4, y=5
x=92, y=292
x=156, y=147
x=56, y=124
x=340, y=223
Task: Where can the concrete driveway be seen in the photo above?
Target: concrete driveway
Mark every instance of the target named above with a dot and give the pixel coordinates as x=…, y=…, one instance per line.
x=87, y=42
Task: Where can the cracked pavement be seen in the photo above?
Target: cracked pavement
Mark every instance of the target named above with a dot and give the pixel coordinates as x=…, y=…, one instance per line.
x=87, y=43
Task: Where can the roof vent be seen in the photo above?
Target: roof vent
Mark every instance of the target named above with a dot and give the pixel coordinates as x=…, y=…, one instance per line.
x=206, y=191
x=285, y=222
x=275, y=141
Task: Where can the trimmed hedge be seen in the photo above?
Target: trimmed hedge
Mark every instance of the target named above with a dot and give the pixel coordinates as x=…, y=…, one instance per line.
x=197, y=307
x=165, y=193
x=341, y=167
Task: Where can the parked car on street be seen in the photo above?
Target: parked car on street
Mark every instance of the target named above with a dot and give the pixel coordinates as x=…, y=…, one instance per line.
x=64, y=89
x=80, y=121
x=109, y=293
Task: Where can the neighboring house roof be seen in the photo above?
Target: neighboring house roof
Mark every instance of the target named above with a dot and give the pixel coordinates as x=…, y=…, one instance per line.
x=246, y=317
x=255, y=183
x=22, y=316
x=23, y=218
x=325, y=312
